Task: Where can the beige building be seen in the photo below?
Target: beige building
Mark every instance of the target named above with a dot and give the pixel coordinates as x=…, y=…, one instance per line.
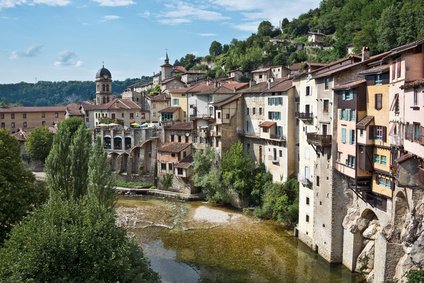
x=156, y=103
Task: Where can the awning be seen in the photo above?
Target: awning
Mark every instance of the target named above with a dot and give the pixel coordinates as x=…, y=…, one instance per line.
x=392, y=128
x=392, y=106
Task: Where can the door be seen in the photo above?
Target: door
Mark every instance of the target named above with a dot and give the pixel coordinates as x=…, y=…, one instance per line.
x=324, y=129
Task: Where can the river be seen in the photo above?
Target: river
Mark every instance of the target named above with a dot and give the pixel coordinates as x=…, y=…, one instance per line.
x=199, y=242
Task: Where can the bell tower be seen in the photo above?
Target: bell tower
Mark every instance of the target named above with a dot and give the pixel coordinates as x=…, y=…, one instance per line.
x=103, y=86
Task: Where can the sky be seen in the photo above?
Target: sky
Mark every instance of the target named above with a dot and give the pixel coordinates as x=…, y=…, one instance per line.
x=66, y=40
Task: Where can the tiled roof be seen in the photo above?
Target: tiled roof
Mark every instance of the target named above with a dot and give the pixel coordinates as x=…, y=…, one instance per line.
x=196, y=72
x=237, y=85
x=166, y=65
x=185, y=163
x=159, y=97
x=413, y=84
x=170, y=80
x=118, y=104
x=267, y=124
x=180, y=90
x=33, y=109
x=376, y=70
x=260, y=87
x=21, y=135
x=261, y=70
x=173, y=147
x=403, y=158
x=396, y=50
x=217, y=90
x=349, y=85
x=364, y=122
x=313, y=64
x=171, y=109
x=179, y=69
x=281, y=87
x=180, y=127
x=236, y=70
x=228, y=100
x=296, y=66
x=202, y=87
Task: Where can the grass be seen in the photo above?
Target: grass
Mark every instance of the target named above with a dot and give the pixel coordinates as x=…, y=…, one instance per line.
x=126, y=184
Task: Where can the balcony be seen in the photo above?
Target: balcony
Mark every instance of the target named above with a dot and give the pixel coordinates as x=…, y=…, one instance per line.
x=395, y=140
x=318, y=140
x=201, y=117
x=277, y=137
x=304, y=115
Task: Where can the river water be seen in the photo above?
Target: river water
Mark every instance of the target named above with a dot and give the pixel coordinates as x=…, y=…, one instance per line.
x=199, y=242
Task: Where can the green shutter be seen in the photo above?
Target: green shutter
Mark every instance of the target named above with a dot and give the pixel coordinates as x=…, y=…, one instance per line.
x=352, y=137
x=340, y=114
x=344, y=95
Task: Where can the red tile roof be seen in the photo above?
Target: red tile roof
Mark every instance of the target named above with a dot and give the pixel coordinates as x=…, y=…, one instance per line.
x=180, y=127
x=159, y=97
x=179, y=69
x=118, y=104
x=296, y=66
x=364, y=122
x=180, y=90
x=185, y=163
x=173, y=147
x=171, y=109
x=171, y=79
x=267, y=124
x=33, y=109
x=349, y=85
x=260, y=87
x=237, y=85
x=281, y=87
x=376, y=70
x=261, y=70
x=228, y=100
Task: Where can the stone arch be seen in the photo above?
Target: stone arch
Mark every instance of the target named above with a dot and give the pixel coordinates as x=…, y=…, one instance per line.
x=114, y=161
x=141, y=156
x=400, y=208
x=107, y=142
x=123, y=163
x=135, y=159
x=117, y=141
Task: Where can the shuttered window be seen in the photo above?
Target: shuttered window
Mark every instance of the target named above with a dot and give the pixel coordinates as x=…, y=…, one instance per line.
x=343, y=135
x=351, y=136
x=378, y=101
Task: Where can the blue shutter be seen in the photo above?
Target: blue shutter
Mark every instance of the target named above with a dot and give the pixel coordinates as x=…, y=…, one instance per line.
x=340, y=114
x=352, y=137
x=343, y=135
x=348, y=114
x=344, y=95
x=353, y=115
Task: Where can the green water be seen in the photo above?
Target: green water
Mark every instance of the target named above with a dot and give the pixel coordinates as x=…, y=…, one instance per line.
x=198, y=242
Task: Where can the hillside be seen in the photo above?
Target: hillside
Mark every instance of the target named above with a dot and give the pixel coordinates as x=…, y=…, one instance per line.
x=46, y=93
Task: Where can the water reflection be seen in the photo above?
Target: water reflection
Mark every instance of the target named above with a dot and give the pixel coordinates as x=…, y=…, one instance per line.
x=193, y=242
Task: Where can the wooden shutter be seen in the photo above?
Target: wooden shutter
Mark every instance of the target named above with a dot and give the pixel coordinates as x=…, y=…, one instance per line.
x=384, y=134
x=371, y=134
x=398, y=68
x=422, y=136
x=393, y=71
x=411, y=132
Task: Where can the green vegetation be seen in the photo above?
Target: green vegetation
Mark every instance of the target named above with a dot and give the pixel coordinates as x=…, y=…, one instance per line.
x=19, y=193
x=44, y=93
x=415, y=276
x=39, y=143
x=125, y=184
x=167, y=181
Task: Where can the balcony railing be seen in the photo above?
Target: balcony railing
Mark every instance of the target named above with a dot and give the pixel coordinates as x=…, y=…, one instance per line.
x=277, y=137
x=318, y=140
x=304, y=115
x=200, y=116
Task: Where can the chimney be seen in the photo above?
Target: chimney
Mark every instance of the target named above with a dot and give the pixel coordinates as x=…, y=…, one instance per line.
x=234, y=89
x=252, y=83
x=365, y=53
x=269, y=83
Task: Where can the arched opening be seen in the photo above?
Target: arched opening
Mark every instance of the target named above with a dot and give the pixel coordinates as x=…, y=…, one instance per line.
x=123, y=163
x=107, y=87
x=113, y=161
x=127, y=142
x=104, y=100
x=107, y=142
x=135, y=157
x=117, y=142
x=104, y=87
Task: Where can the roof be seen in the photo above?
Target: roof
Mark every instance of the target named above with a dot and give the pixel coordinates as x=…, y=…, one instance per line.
x=103, y=71
x=21, y=135
x=179, y=69
x=236, y=70
x=403, y=158
x=180, y=90
x=159, y=97
x=349, y=85
x=260, y=87
x=185, y=163
x=201, y=87
x=402, y=48
x=413, y=84
x=171, y=79
x=117, y=103
x=267, y=124
x=173, y=147
x=33, y=109
x=180, y=127
x=261, y=70
x=196, y=72
x=314, y=64
x=376, y=70
x=281, y=87
x=166, y=65
x=296, y=66
x=311, y=32
x=171, y=109
x=237, y=85
x=364, y=122
x=228, y=100
x=217, y=90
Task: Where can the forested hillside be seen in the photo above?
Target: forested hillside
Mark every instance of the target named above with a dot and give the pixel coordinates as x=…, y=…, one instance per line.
x=378, y=24
x=46, y=93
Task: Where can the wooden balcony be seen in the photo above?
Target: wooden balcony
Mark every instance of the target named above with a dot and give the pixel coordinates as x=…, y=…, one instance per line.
x=304, y=115
x=277, y=137
x=318, y=140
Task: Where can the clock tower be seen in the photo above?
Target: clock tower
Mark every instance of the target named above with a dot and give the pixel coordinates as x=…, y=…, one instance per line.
x=103, y=86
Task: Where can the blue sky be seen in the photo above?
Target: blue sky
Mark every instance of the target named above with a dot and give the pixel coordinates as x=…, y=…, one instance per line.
x=63, y=40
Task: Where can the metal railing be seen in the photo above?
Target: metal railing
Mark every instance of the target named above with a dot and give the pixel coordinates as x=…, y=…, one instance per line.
x=304, y=115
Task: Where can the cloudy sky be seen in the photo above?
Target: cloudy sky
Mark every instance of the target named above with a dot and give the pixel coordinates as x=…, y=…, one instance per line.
x=55, y=40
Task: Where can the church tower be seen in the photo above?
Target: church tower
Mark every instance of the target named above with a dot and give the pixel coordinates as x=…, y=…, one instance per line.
x=166, y=69
x=103, y=86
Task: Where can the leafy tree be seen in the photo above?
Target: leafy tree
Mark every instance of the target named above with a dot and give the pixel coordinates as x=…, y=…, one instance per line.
x=265, y=28
x=215, y=49
x=100, y=185
x=236, y=170
x=39, y=143
x=201, y=67
x=208, y=176
x=386, y=28
x=69, y=241
x=154, y=90
x=18, y=192
x=262, y=180
x=4, y=103
x=280, y=59
x=167, y=181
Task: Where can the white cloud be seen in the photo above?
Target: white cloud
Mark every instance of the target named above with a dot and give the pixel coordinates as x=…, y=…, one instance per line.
x=247, y=26
x=4, y=4
x=110, y=18
x=206, y=34
x=114, y=3
x=181, y=12
x=10, y=3
x=145, y=14
x=30, y=52
x=67, y=58
x=52, y=2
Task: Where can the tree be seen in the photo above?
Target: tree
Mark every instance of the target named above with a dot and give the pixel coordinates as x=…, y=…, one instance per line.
x=69, y=241
x=215, y=49
x=18, y=192
x=207, y=175
x=236, y=170
x=280, y=59
x=4, y=103
x=386, y=29
x=39, y=143
x=265, y=28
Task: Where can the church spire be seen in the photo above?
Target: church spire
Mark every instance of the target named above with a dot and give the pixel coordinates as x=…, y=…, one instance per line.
x=166, y=58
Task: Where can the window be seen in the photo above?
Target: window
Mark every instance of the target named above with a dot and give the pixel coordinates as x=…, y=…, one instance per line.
x=25, y=124
x=13, y=116
x=24, y=116
x=175, y=101
x=163, y=166
x=270, y=101
x=3, y=125
x=307, y=218
x=154, y=105
x=383, y=160
x=13, y=125
x=172, y=138
x=253, y=111
x=194, y=139
x=260, y=110
x=351, y=136
x=415, y=97
x=349, y=95
x=388, y=184
x=350, y=162
x=201, y=140
x=378, y=101
x=131, y=115
x=219, y=115
x=352, y=115
x=154, y=114
x=307, y=200
x=317, y=181
x=343, y=135
x=325, y=105
x=379, y=133
x=172, y=154
x=273, y=115
x=247, y=111
x=113, y=115
x=227, y=116
x=170, y=166
x=123, y=115
x=327, y=84
x=308, y=90
x=398, y=70
x=416, y=132
x=56, y=115
x=378, y=80
x=179, y=138
x=43, y=115
x=180, y=171
x=281, y=153
x=43, y=123
x=377, y=158
x=2, y=116
x=382, y=181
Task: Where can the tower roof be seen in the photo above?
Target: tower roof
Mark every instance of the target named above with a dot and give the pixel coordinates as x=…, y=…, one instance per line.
x=103, y=71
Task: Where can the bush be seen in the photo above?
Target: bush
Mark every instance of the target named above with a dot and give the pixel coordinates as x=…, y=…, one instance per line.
x=167, y=181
